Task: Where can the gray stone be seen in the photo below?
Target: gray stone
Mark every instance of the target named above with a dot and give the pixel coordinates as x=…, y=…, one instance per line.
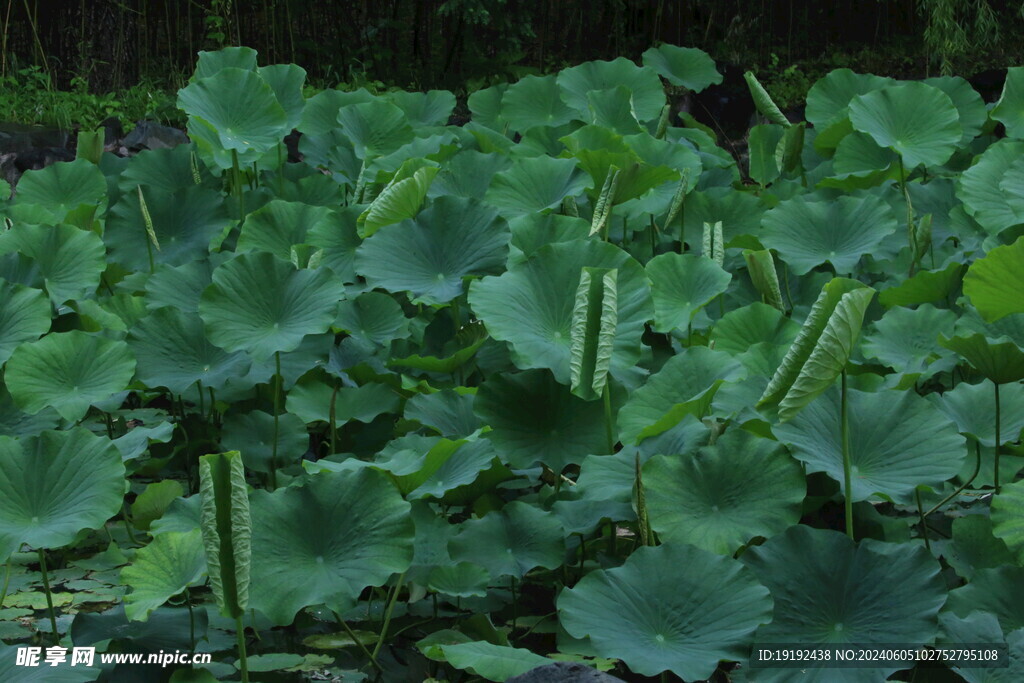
x=149, y=135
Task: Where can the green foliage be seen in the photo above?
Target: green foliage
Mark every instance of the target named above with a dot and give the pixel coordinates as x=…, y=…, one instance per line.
x=488, y=403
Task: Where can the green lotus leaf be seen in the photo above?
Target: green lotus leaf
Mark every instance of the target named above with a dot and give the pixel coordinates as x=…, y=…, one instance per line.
x=823, y=346
x=69, y=260
x=763, y=102
x=655, y=152
x=613, y=109
x=995, y=591
x=979, y=187
x=452, y=239
x=531, y=232
x=485, y=106
x=184, y=224
x=24, y=317
x=461, y=580
x=739, y=212
x=153, y=502
x=593, y=332
x=68, y=371
x=263, y=305
x=278, y=226
x=287, y=81
x=173, y=351
x=252, y=434
x=763, y=140
x=314, y=563
x=743, y=486
x=1008, y=518
x=448, y=412
x=861, y=163
x=535, y=419
x=530, y=305
x=54, y=485
x=424, y=109
x=808, y=233
x=682, y=284
x=917, y=121
x=510, y=541
x=973, y=407
x=601, y=151
x=184, y=514
x=1012, y=185
x=907, y=340
x=138, y=439
x=981, y=627
x=648, y=96
x=490, y=661
x=898, y=441
x=830, y=591
x=533, y=185
x=226, y=529
x=925, y=287
x=18, y=424
x=428, y=467
x=686, y=66
x=234, y=111
x=475, y=337
x=969, y=105
x=210, y=62
x=339, y=238
x=685, y=384
x=167, y=170
x=402, y=198
x=756, y=323
x=310, y=399
x=162, y=569
x=1009, y=110
x=829, y=98
x=61, y=189
x=373, y=317
x=655, y=617
x=320, y=116
x=180, y=287
x=375, y=128
x=975, y=547
x=995, y=283
x=468, y=174
x=1000, y=360
x=535, y=101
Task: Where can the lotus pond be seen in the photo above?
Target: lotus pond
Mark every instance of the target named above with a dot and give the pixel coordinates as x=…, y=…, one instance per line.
x=565, y=383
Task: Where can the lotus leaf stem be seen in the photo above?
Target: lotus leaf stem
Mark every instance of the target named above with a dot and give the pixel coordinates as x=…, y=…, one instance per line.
x=7, y=581
x=387, y=615
x=608, y=427
x=243, y=665
x=924, y=524
x=49, y=595
x=977, y=469
x=277, y=409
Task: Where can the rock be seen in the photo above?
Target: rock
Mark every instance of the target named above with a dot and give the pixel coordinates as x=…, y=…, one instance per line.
x=15, y=137
x=41, y=157
x=149, y=135
x=564, y=672
x=113, y=131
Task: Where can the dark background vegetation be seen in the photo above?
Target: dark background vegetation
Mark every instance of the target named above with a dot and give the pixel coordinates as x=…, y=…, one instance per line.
x=103, y=46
